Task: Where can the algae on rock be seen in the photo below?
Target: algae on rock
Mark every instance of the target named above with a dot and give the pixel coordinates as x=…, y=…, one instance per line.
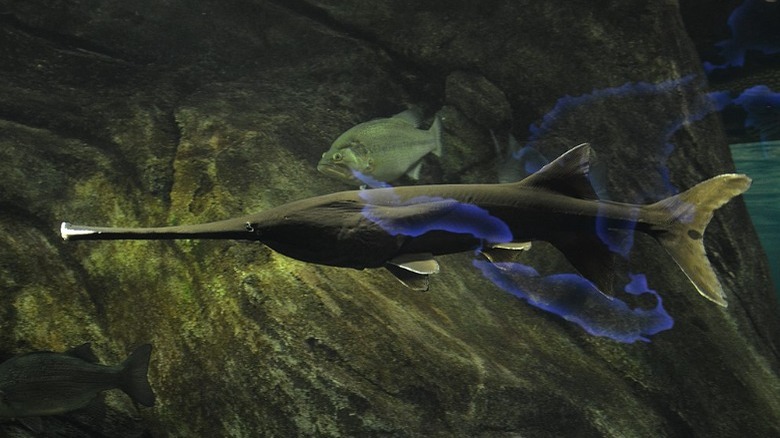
x=178, y=113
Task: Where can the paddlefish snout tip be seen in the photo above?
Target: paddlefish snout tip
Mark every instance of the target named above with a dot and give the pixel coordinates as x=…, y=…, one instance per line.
x=67, y=230
x=64, y=228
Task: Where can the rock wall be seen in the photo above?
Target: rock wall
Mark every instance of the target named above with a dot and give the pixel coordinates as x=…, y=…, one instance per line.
x=154, y=113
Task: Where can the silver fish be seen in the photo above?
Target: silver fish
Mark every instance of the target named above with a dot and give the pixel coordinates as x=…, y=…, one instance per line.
x=47, y=383
x=382, y=150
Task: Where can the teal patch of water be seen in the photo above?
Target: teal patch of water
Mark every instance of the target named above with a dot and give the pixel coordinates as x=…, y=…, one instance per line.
x=761, y=161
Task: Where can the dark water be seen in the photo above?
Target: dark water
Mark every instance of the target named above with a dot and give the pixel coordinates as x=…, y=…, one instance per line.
x=762, y=162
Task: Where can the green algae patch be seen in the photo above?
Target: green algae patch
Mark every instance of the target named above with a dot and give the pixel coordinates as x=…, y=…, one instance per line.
x=156, y=122
x=44, y=318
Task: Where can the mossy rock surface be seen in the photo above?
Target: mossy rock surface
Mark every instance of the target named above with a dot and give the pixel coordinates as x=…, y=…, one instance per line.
x=140, y=114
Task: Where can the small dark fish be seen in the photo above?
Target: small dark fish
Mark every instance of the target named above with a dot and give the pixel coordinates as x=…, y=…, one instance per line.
x=47, y=383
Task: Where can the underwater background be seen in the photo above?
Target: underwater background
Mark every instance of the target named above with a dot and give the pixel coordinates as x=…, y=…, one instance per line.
x=153, y=113
x=763, y=159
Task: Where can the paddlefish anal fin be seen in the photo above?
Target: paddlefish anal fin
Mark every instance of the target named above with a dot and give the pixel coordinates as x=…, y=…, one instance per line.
x=594, y=260
x=504, y=252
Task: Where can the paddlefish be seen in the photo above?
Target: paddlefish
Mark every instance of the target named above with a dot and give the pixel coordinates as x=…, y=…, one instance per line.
x=404, y=228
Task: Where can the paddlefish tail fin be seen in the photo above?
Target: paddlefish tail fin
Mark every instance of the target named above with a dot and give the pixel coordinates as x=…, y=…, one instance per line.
x=686, y=215
x=134, y=381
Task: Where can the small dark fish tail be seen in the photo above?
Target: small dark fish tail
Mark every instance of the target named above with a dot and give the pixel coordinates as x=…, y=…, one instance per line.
x=134, y=372
x=687, y=215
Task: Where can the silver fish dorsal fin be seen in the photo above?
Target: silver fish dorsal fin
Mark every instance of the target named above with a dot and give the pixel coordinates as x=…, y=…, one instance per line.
x=567, y=174
x=412, y=116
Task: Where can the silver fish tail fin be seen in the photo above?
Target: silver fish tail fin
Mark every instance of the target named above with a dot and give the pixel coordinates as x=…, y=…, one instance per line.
x=682, y=234
x=133, y=377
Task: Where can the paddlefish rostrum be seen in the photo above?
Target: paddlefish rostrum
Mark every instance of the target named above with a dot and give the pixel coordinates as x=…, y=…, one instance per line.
x=404, y=228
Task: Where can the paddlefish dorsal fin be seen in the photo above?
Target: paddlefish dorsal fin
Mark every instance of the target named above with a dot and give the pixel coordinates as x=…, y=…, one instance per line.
x=568, y=174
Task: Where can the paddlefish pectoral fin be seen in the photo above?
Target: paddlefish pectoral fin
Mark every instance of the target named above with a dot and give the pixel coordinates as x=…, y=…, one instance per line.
x=413, y=269
x=688, y=214
x=422, y=263
x=410, y=279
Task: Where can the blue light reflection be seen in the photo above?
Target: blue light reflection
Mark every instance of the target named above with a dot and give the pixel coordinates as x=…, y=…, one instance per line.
x=754, y=26
x=417, y=216
x=577, y=300
x=762, y=106
x=568, y=295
